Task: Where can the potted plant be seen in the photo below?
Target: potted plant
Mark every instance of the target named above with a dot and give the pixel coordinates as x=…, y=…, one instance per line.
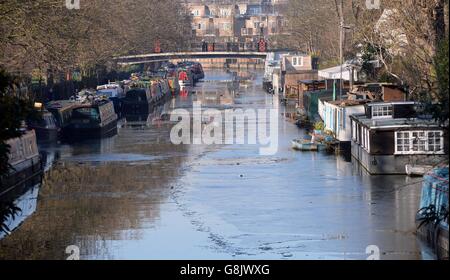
x=319, y=128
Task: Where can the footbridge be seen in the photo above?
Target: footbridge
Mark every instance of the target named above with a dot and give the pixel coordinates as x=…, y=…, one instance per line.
x=161, y=57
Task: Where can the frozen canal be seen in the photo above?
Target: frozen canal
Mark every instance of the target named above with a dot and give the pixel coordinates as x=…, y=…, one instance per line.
x=137, y=196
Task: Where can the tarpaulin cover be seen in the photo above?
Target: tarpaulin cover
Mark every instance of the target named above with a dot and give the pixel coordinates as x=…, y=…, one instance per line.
x=435, y=190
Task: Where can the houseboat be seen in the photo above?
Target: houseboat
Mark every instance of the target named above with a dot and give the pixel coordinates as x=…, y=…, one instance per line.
x=93, y=119
x=391, y=135
x=24, y=160
x=336, y=113
x=336, y=118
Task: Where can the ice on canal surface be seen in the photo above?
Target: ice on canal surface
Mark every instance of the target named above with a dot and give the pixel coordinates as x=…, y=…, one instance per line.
x=137, y=196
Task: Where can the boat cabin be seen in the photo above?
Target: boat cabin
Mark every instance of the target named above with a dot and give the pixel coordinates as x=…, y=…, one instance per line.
x=391, y=135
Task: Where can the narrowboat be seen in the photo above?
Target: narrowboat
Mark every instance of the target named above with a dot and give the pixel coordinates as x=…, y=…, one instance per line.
x=190, y=73
x=185, y=77
x=174, y=85
x=137, y=101
x=160, y=89
x=432, y=217
x=198, y=72
x=46, y=127
x=24, y=160
x=113, y=92
x=93, y=119
x=62, y=112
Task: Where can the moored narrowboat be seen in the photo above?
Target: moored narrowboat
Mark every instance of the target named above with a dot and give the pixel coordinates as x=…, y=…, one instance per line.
x=137, y=101
x=24, y=160
x=46, y=127
x=94, y=119
x=185, y=77
x=113, y=92
x=62, y=111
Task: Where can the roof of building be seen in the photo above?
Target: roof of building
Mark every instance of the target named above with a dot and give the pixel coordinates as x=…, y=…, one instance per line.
x=311, y=82
x=375, y=103
x=335, y=72
x=348, y=103
x=396, y=123
x=292, y=71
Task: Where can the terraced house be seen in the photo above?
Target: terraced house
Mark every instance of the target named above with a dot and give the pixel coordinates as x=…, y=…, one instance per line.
x=236, y=21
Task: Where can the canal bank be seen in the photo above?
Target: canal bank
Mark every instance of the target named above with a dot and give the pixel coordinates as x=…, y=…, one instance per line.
x=138, y=196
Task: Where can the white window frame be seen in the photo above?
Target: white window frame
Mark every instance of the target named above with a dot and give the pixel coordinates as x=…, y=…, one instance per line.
x=367, y=138
x=297, y=61
x=387, y=111
x=425, y=138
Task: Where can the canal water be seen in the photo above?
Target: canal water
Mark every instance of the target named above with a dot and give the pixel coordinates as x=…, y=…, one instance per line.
x=138, y=196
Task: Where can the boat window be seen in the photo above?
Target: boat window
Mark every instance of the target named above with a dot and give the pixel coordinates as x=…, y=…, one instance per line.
x=86, y=113
x=49, y=121
x=136, y=95
x=419, y=142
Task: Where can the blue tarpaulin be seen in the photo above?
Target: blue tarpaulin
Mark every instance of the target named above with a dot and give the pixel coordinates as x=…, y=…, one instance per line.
x=435, y=191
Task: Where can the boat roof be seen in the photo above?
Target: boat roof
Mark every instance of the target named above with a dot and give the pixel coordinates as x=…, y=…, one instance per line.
x=62, y=104
x=423, y=121
x=348, y=103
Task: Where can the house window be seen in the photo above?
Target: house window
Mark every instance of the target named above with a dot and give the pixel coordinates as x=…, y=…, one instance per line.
x=419, y=142
x=384, y=111
x=435, y=141
x=403, y=142
x=297, y=61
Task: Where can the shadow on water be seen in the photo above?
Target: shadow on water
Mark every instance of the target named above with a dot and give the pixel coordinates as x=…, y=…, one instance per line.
x=18, y=204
